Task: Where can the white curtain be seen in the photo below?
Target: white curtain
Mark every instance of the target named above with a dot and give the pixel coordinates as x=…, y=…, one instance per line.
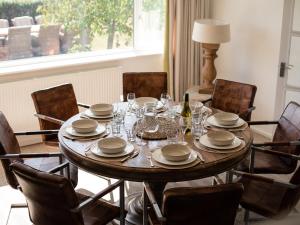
x=183, y=55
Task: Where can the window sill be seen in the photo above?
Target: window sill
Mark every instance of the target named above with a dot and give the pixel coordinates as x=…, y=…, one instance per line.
x=47, y=65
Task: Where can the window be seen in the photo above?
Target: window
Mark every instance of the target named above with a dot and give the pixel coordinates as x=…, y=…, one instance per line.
x=54, y=27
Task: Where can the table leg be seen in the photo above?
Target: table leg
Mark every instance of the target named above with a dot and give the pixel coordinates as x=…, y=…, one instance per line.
x=134, y=203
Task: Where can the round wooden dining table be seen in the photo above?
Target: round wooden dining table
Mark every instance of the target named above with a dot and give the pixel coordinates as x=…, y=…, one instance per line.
x=139, y=168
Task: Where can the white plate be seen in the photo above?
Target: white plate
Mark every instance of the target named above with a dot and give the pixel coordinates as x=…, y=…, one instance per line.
x=213, y=122
x=97, y=151
x=142, y=100
x=89, y=113
x=205, y=142
x=99, y=130
x=157, y=156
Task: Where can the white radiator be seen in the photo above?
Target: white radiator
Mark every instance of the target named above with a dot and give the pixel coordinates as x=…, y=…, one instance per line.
x=93, y=86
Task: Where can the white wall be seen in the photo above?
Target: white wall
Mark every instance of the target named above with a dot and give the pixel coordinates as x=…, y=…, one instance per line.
x=252, y=55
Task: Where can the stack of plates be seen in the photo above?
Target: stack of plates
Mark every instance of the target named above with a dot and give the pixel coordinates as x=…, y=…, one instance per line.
x=205, y=143
x=175, y=156
x=113, y=147
x=99, y=111
x=225, y=120
x=85, y=128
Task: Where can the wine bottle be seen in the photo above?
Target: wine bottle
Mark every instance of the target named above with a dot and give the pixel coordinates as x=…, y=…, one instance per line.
x=187, y=114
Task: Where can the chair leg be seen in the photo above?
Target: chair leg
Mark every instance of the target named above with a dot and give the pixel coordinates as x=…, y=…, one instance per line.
x=122, y=204
x=13, y=206
x=145, y=208
x=246, y=217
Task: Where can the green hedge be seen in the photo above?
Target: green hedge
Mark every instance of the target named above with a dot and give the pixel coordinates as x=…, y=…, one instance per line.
x=12, y=8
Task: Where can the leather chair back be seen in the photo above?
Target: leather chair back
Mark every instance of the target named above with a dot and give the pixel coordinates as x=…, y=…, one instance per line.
x=50, y=197
x=8, y=145
x=202, y=205
x=235, y=97
x=287, y=130
x=58, y=102
x=144, y=84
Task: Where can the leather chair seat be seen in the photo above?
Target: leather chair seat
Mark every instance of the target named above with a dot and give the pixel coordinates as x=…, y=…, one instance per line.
x=263, y=198
x=266, y=163
x=100, y=212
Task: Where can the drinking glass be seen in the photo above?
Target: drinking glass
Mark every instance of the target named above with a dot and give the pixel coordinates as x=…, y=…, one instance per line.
x=164, y=98
x=130, y=100
x=183, y=126
x=172, y=136
x=140, y=130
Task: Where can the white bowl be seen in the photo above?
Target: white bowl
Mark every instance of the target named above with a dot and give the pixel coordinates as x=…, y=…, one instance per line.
x=84, y=125
x=220, y=137
x=226, y=118
x=141, y=101
x=112, y=145
x=176, y=152
x=101, y=109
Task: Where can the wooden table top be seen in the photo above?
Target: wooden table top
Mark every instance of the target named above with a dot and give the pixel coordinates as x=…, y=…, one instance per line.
x=139, y=169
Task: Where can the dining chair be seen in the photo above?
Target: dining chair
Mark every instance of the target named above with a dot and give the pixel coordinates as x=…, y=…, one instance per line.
x=268, y=197
x=47, y=41
x=195, y=205
x=282, y=154
x=144, y=84
x=4, y=23
x=22, y=21
x=19, y=42
x=39, y=19
x=52, y=199
x=235, y=97
x=53, y=106
x=10, y=151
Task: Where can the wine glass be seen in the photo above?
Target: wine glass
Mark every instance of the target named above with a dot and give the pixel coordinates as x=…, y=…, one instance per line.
x=164, y=98
x=183, y=127
x=140, y=130
x=130, y=100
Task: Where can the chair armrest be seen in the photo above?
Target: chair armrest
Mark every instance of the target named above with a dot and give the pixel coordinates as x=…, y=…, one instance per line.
x=150, y=196
x=59, y=167
x=30, y=155
x=261, y=122
x=264, y=179
x=49, y=119
x=83, y=105
x=249, y=110
x=45, y=132
x=272, y=152
x=287, y=143
x=217, y=180
x=207, y=100
x=95, y=197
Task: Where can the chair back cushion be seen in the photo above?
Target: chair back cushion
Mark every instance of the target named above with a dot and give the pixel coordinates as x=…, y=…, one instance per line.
x=50, y=197
x=202, y=205
x=58, y=102
x=8, y=145
x=288, y=129
x=144, y=84
x=233, y=97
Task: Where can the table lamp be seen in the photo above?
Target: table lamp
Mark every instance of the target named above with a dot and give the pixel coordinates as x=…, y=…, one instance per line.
x=210, y=33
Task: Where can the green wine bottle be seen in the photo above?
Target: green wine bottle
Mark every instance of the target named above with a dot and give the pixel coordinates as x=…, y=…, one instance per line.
x=187, y=114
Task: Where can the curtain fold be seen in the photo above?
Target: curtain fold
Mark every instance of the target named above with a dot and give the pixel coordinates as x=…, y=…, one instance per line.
x=183, y=55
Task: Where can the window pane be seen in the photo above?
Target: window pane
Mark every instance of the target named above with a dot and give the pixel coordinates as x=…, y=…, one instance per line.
x=149, y=24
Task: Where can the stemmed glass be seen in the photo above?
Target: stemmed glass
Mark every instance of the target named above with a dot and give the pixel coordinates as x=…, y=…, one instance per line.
x=183, y=127
x=164, y=98
x=130, y=100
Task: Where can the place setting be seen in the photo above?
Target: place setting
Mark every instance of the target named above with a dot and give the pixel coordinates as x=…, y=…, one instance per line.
x=111, y=149
x=101, y=112
x=226, y=120
x=219, y=141
x=175, y=156
x=84, y=130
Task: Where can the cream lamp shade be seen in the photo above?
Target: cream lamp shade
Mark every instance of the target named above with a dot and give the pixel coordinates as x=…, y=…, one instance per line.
x=211, y=31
